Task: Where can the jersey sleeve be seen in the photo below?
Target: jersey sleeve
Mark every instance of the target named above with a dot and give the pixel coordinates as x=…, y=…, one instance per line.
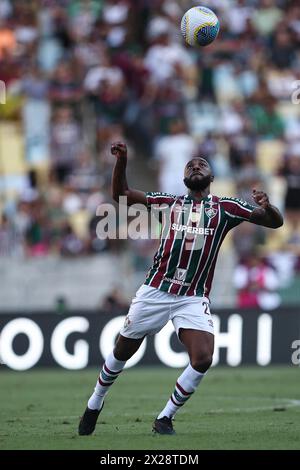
x=159, y=199
x=237, y=210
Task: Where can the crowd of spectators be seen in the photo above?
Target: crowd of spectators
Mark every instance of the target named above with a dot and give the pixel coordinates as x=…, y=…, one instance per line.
x=82, y=73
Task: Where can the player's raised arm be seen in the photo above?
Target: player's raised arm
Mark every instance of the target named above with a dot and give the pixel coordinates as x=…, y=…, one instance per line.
x=266, y=215
x=119, y=184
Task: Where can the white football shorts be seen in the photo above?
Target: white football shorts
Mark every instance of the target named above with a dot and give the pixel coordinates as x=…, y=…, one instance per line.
x=151, y=309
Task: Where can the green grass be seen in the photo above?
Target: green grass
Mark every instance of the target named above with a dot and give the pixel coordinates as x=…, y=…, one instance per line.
x=241, y=408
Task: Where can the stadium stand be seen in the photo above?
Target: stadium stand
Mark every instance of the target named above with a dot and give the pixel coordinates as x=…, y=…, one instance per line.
x=80, y=74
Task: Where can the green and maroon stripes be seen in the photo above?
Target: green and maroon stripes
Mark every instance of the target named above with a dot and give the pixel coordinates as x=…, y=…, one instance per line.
x=199, y=261
x=180, y=251
x=180, y=396
x=166, y=255
x=236, y=208
x=186, y=250
x=209, y=257
x=210, y=274
x=158, y=255
x=178, y=245
x=107, y=376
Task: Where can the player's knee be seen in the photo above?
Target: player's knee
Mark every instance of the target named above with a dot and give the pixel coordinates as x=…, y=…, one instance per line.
x=201, y=362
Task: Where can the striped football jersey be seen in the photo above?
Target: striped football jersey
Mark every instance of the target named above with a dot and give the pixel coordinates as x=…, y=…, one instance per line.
x=191, y=235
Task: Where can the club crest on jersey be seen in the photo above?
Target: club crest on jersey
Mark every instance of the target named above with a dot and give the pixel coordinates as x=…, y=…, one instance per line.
x=180, y=274
x=127, y=321
x=210, y=211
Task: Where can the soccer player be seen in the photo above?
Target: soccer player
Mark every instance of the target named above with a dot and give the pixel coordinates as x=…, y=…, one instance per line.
x=178, y=283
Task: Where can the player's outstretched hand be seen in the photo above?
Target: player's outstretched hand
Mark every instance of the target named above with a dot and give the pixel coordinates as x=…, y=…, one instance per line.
x=261, y=198
x=119, y=149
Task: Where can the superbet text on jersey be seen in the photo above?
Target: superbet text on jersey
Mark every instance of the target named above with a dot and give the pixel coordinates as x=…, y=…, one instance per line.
x=191, y=236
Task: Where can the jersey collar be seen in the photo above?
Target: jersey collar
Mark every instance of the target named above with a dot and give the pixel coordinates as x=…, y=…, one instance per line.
x=190, y=198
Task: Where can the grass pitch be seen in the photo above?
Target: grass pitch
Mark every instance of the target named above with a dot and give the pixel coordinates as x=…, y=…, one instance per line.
x=240, y=408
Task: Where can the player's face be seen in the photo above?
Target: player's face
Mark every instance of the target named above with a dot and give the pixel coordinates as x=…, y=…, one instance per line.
x=197, y=174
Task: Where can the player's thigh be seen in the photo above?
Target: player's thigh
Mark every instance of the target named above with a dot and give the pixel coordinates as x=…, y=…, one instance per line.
x=192, y=313
x=147, y=314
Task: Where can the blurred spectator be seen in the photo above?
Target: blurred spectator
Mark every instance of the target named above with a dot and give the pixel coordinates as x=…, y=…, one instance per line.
x=291, y=173
x=104, y=72
x=84, y=177
x=238, y=16
x=82, y=17
x=98, y=71
x=114, y=302
x=266, y=17
x=115, y=15
x=168, y=105
x=172, y=152
x=34, y=86
x=65, y=87
x=5, y=9
x=61, y=305
x=266, y=120
x=56, y=216
x=283, y=51
x=167, y=60
x=242, y=150
x=71, y=245
x=37, y=234
x=246, y=237
x=256, y=283
x=10, y=242
x=66, y=143
x=26, y=31
x=8, y=40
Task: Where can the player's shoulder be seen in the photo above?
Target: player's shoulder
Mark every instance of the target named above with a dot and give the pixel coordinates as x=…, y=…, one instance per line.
x=236, y=207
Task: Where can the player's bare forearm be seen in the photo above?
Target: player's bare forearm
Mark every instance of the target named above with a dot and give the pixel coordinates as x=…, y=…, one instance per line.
x=119, y=184
x=267, y=214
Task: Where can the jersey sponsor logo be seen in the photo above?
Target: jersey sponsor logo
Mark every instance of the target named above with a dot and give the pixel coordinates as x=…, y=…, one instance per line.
x=192, y=230
x=180, y=274
x=177, y=281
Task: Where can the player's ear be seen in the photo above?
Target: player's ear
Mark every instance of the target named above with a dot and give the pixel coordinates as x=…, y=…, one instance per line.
x=212, y=178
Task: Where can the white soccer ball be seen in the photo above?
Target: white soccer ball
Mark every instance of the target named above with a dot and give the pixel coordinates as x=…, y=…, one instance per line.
x=200, y=26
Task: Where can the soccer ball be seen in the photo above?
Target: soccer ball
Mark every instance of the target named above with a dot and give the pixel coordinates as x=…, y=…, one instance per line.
x=199, y=26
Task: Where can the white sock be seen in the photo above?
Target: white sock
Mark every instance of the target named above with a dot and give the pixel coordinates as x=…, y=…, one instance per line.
x=110, y=371
x=185, y=386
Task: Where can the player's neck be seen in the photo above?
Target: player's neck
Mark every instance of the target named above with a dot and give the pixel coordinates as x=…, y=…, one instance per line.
x=199, y=195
